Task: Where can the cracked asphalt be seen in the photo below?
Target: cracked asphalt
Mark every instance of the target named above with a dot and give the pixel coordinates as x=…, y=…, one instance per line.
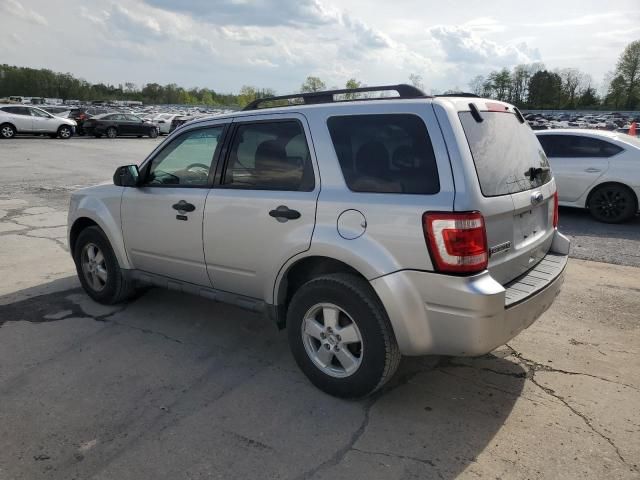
x=172, y=386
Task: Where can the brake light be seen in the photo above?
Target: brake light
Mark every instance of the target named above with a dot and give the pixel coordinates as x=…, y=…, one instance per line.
x=457, y=242
x=555, y=210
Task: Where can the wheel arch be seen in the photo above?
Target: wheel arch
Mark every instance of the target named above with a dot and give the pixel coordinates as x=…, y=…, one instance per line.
x=10, y=124
x=297, y=274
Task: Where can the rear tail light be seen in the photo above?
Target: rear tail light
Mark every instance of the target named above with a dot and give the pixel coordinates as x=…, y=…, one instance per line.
x=457, y=242
x=555, y=210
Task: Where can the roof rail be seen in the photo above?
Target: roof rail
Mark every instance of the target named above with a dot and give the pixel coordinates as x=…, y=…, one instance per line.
x=461, y=94
x=310, y=98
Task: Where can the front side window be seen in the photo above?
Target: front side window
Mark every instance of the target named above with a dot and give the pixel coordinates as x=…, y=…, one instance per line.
x=187, y=160
x=39, y=113
x=270, y=156
x=385, y=153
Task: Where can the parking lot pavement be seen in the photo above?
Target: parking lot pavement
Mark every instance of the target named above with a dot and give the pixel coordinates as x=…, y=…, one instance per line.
x=173, y=386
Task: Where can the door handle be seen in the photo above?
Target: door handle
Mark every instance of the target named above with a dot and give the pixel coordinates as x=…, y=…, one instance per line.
x=183, y=206
x=592, y=170
x=284, y=213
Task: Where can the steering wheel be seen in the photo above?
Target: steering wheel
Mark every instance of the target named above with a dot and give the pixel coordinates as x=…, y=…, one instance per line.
x=198, y=165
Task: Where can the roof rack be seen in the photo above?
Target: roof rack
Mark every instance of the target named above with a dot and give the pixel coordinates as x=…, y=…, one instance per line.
x=404, y=91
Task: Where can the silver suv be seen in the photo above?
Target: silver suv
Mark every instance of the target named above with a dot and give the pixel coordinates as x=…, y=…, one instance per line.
x=369, y=228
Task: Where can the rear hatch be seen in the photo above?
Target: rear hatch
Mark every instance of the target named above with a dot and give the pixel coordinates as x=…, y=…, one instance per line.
x=517, y=198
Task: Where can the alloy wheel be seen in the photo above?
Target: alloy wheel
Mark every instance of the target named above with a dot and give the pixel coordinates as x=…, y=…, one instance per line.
x=94, y=267
x=7, y=131
x=610, y=203
x=332, y=340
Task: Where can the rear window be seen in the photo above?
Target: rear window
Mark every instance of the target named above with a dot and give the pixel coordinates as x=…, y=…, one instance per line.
x=385, y=153
x=504, y=150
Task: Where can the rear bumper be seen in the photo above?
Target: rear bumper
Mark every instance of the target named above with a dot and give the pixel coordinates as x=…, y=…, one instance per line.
x=466, y=316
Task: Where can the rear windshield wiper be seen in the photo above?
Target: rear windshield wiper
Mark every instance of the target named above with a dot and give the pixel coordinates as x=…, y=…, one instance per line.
x=534, y=172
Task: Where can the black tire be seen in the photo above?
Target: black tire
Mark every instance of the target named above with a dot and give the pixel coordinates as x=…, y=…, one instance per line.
x=65, y=132
x=7, y=131
x=112, y=132
x=612, y=203
x=379, y=354
x=153, y=133
x=117, y=287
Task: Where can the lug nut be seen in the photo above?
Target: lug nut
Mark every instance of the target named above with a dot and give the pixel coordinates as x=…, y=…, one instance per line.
x=339, y=338
x=327, y=346
x=323, y=335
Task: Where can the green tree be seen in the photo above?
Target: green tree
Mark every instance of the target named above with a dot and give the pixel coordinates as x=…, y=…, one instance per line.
x=312, y=84
x=628, y=71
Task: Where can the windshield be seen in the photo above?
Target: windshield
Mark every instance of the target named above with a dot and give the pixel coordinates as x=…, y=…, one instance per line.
x=506, y=153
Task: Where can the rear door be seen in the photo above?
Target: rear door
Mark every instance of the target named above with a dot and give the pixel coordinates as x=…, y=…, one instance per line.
x=577, y=162
x=516, y=188
x=21, y=118
x=261, y=211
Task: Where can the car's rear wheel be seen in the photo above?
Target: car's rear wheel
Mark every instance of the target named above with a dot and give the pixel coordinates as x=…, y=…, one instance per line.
x=340, y=336
x=98, y=268
x=112, y=132
x=612, y=203
x=7, y=130
x=153, y=133
x=65, y=132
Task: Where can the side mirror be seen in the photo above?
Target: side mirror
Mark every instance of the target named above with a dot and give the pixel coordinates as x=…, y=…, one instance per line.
x=127, y=176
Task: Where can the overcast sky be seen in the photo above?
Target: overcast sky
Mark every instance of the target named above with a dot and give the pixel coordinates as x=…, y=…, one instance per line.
x=223, y=44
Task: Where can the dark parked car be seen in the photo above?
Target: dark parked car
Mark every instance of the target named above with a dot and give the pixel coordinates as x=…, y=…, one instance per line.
x=177, y=122
x=119, y=124
x=81, y=114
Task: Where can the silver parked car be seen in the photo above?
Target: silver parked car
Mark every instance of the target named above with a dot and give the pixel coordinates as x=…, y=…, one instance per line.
x=16, y=119
x=369, y=228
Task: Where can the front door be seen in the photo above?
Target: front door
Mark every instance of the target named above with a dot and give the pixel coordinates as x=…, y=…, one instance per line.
x=42, y=121
x=162, y=219
x=263, y=211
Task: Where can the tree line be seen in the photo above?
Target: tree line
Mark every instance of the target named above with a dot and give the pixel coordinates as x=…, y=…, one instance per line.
x=531, y=86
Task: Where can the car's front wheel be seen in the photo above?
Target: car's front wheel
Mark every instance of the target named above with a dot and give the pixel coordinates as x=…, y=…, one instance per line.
x=7, y=131
x=65, y=132
x=98, y=268
x=340, y=336
x=153, y=133
x=612, y=203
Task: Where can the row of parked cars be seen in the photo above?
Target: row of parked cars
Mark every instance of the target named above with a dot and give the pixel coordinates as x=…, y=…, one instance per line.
x=62, y=122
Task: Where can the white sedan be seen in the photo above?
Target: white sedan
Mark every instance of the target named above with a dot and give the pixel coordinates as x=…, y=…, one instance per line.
x=595, y=169
x=163, y=122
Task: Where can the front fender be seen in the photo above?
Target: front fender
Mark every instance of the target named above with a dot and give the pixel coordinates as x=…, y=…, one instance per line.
x=101, y=204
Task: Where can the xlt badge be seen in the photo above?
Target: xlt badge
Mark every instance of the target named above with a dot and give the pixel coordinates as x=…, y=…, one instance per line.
x=501, y=247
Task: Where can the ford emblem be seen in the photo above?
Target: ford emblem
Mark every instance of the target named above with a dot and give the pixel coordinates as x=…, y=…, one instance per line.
x=537, y=198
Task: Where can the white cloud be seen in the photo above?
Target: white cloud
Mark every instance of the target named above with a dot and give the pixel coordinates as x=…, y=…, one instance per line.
x=15, y=8
x=462, y=45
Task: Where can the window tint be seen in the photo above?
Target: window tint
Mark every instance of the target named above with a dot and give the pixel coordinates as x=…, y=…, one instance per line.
x=270, y=156
x=132, y=118
x=186, y=161
x=18, y=110
x=385, y=153
x=504, y=150
x=576, y=146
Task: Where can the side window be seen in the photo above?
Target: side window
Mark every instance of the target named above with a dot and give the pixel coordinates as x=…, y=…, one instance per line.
x=186, y=161
x=385, y=153
x=574, y=146
x=18, y=110
x=270, y=156
x=38, y=113
x=131, y=118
